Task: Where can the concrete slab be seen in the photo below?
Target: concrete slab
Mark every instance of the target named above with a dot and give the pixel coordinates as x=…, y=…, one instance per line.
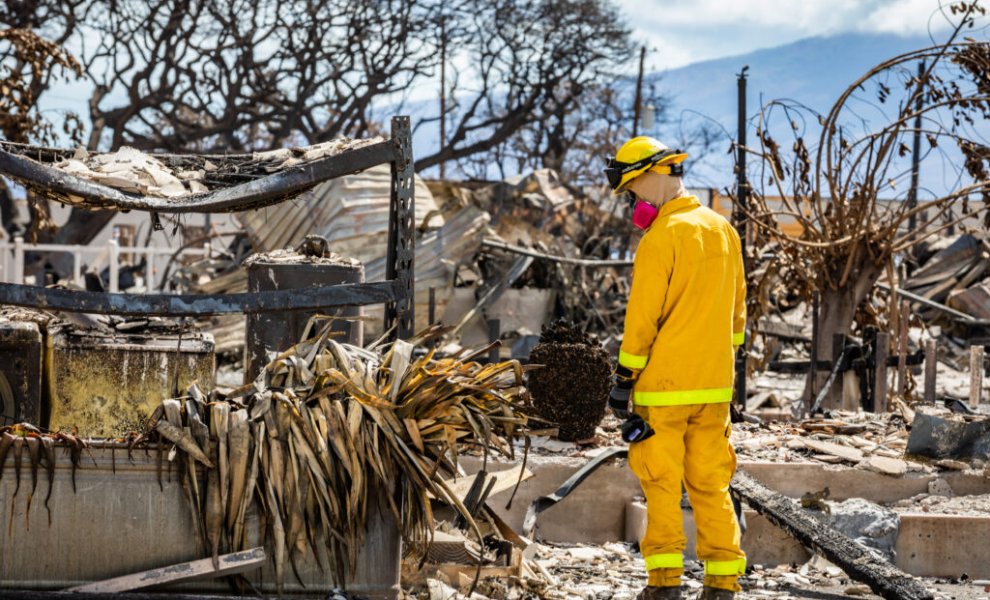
x=795, y=479
x=766, y=544
x=927, y=545
x=944, y=545
x=594, y=513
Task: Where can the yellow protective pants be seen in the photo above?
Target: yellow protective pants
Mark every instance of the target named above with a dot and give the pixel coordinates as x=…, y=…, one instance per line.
x=690, y=446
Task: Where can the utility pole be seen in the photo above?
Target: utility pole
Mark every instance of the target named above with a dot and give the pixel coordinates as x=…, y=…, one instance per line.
x=916, y=153
x=639, y=92
x=443, y=95
x=742, y=198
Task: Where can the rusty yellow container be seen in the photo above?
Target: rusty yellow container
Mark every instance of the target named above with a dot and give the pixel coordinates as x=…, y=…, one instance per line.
x=108, y=384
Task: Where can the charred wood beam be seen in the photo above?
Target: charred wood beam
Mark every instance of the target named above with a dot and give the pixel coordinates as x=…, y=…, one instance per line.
x=244, y=196
x=193, y=305
x=803, y=366
x=852, y=557
x=798, y=366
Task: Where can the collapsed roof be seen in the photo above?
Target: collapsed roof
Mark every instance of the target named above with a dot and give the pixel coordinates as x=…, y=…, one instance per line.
x=177, y=183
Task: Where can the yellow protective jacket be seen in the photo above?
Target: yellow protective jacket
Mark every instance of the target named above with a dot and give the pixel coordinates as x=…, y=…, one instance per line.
x=687, y=308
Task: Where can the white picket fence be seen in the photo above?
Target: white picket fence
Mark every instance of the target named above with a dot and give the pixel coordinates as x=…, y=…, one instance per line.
x=12, y=259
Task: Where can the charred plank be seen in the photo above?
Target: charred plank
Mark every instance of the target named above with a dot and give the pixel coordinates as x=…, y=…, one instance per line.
x=852, y=557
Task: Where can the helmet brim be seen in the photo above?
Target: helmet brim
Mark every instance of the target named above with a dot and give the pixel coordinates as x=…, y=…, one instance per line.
x=673, y=159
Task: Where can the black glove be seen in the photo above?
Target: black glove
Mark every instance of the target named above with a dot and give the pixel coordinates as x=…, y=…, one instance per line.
x=635, y=429
x=618, y=396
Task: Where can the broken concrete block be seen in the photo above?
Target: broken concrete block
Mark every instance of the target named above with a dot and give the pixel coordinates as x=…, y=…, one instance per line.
x=870, y=524
x=952, y=465
x=888, y=466
x=940, y=487
x=844, y=452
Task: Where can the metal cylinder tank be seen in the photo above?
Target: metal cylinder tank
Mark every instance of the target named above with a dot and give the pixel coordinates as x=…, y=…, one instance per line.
x=283, y=270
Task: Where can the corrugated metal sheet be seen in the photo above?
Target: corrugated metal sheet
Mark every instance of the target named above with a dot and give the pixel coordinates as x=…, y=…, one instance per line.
x=438, y=255
x=351, y=212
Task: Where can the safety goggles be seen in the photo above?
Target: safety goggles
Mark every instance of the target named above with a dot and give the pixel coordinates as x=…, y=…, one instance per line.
x=614, y=170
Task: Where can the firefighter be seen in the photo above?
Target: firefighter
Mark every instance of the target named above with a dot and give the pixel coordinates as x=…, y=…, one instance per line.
x=685, y=318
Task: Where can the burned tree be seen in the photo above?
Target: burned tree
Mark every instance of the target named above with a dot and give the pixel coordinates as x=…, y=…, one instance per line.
x=529, y=63
x=30, y=63
x=187, y=75
x=850, y=193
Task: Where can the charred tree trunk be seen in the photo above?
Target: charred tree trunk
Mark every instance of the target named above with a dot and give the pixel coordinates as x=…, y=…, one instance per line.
x=837, y=313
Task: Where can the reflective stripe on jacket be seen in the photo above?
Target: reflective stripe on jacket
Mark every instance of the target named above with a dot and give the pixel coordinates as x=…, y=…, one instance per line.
x=687, y=307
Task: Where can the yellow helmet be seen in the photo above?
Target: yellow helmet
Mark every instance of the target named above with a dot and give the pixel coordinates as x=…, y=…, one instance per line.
x=639, y=155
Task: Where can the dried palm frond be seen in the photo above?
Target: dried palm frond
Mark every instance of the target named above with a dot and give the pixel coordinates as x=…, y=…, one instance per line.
x=326, y=427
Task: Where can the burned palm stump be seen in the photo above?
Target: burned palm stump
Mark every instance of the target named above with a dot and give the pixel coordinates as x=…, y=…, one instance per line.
x=571, y=391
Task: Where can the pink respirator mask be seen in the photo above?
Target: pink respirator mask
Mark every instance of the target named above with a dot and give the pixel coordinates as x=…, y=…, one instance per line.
x=644, y=214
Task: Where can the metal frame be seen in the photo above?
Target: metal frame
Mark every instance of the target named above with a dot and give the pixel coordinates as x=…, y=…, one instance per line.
x=396, y=292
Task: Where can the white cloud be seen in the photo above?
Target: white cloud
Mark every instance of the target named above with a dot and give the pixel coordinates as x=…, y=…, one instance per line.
x=684, y=31
x=907, y=17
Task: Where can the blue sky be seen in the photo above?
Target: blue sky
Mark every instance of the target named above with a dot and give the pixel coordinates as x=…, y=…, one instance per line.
x=680, y=32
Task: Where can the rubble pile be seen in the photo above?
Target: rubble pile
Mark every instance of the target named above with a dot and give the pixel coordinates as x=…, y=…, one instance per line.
x=953, y=271
x=571, y=389
x=174, y=176
x=615, y=571
x=469, y=240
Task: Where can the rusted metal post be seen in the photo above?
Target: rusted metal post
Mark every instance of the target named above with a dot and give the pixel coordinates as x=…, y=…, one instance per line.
x=975, y=376
x=902, y=348
x=432, y=314
x=399, y=263
x=814, y=351
x=835, y=393
x=916, y=153
x=739, y=211
x=443, y=98
x=880, y=354
x=931, y=364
